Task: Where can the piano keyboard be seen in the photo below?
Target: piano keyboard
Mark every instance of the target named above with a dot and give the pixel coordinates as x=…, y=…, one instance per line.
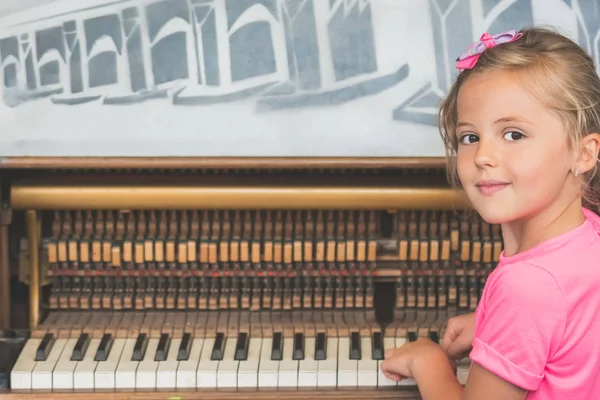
x=201, y=355
x=220, y=299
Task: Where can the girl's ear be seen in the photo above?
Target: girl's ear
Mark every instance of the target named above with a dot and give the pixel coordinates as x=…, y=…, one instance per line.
x=588, y=157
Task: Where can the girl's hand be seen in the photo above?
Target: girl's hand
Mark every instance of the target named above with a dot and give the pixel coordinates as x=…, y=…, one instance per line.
x=414, y=359
x=433, y=372
x=458, y=339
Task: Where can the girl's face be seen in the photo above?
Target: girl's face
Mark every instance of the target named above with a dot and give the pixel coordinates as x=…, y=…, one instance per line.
x=513, y=158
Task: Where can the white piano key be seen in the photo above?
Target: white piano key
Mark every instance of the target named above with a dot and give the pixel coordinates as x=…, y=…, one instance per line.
x=327, y=369
x=62, y=375
x=308, y=368
x=166, y=376
x=145, y=377
x=347, y=368
x=268, y=369
x=186, y=371
x=126, y=369
x=105, y=376
x=83, y=377
x=206, y=376
x=228, y=366
x=288, y=367
x=20, y=375
x=248, y=369
x=400, y=341
x=463, y=368
x=41, y=378
x=382, y=380
x=367, y=367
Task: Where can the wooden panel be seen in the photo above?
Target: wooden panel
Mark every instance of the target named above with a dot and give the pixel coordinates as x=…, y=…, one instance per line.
x=5, y=314
x=221, y=162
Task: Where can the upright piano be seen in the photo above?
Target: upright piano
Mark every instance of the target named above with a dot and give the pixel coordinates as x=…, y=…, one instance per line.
x=255, y=278
x=223, y=198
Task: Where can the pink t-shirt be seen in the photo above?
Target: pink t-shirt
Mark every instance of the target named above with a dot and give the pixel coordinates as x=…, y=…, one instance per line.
x=538, y=322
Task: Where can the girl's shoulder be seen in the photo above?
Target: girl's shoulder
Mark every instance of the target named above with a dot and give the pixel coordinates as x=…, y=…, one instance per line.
x=592, y=218
x=580, y=245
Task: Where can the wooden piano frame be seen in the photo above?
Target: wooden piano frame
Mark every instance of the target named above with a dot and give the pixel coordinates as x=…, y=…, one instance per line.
x=34, y=194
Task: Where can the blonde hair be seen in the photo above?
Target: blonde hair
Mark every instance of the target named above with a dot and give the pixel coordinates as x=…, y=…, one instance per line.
x=558, y=72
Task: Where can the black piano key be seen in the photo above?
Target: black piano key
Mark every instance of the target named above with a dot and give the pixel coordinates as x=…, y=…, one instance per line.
x=11, y=346
x=433, y=335
x=321, y=347
x=163, y=348
x=241, y=348
x=104, y=348
x=355, y=353
x=277, y=348
x=184, y=348
x=80, y=347
x=298, y=347
x=412, y=336
x=219, y=347
x=377, y=346
x=139, y=350
x=5, y=365
x=45, y=347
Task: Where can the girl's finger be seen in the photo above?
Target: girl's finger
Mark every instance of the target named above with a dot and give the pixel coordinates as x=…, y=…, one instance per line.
x=393, y=376
x=449, y=337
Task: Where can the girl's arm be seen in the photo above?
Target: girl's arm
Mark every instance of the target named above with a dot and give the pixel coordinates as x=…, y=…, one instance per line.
x=430, y=367
x=482, y=384
x=520, y=325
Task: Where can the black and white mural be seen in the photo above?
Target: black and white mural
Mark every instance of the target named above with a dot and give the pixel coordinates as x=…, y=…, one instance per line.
x=245, y=77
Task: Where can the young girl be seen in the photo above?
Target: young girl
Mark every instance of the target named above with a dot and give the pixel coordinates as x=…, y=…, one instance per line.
x=521, y=126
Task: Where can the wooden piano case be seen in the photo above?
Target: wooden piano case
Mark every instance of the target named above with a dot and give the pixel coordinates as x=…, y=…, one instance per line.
x=394, y=224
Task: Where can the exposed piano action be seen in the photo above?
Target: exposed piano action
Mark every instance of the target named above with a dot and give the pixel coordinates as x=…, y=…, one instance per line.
x=232, y=288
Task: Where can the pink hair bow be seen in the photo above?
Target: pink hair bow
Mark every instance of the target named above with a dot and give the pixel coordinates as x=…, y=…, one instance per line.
x=469, y=57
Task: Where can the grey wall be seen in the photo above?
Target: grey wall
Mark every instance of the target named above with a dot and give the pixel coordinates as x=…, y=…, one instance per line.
x=244, y=77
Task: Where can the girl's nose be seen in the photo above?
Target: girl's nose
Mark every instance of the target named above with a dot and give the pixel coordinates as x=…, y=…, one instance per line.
x=485, y=155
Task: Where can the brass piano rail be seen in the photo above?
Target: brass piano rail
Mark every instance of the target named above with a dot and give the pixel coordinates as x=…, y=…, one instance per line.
x=77, y=197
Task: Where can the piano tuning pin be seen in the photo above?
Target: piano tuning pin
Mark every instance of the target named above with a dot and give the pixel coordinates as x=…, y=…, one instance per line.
x=400, y=283
x=369, y=283
x=307, y=283
x=328, y=284
x=358, y=284
x=350, y=283
x=318, y=282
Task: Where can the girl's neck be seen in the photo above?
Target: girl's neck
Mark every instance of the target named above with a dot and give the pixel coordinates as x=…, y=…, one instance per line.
x=522, y=235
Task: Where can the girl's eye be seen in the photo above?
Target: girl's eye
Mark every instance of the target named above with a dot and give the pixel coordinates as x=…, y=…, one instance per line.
x=469, y=138
x=513, y=135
